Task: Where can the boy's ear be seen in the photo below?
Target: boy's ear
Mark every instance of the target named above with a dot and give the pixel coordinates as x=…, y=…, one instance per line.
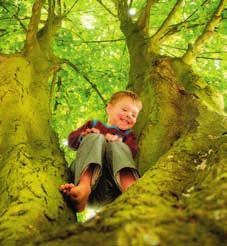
x=108, y=108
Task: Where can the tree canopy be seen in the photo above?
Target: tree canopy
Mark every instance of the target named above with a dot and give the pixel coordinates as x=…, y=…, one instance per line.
x=60, y=61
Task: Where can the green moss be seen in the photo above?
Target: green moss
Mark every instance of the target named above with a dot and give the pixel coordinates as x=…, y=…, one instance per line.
x=31, y=167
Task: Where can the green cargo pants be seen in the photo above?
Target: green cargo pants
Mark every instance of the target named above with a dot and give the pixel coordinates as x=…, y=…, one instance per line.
x=110, y=158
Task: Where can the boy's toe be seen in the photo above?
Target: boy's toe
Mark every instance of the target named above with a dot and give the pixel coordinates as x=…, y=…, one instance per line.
x=61, y=188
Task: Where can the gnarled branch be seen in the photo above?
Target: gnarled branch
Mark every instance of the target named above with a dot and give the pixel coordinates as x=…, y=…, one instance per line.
x=144, y=18
x=31, y=37
x=53, y=22
x=155, y=39
x=123, y=15
x=193, y=50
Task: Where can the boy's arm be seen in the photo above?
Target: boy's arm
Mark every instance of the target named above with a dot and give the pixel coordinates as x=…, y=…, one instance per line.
x=131, y=141
x=75, y=137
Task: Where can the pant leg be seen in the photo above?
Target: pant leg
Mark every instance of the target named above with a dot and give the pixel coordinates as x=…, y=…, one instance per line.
x=106, y=189
x=91, y=150
x=119, y=156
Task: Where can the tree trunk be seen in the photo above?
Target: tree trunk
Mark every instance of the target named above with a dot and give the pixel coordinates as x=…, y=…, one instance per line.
x=32, y=166
x=182, y=130
x=171, y=93
x=175, y=201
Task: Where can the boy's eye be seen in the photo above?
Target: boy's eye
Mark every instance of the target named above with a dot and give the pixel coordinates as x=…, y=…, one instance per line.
x=124, y=109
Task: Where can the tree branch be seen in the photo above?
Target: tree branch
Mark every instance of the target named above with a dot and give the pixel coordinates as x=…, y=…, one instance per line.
x=124, y=17
x=59, y=12
x=51, y=7
x=208, y=52
x=74, y=67
x=155, y=39
x=59, y=85
x=53, y=83
x=195, y=11
x=177, y=28
x=193, y=50
x=31, y=37
x=104, y=41
x=53, y=22
x=4, y=33
x=70, y=9
x=144, y=18
x=17, y=18
x=107, y=9
x=209, y=58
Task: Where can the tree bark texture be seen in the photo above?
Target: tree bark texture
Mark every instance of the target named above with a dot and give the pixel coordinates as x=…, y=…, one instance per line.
x=32, y=166
x=181, y=200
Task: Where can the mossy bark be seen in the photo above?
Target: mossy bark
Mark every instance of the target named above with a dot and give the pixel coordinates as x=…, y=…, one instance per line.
x=32, y=166
x=181, y=199
x=181, y=196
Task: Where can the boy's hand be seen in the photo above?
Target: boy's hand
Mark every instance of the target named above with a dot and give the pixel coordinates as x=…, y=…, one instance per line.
x=90, y=130
x=110, y=137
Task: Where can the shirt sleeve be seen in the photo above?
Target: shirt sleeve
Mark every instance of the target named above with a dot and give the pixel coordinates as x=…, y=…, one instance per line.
x=131, y=141
x=75, y=137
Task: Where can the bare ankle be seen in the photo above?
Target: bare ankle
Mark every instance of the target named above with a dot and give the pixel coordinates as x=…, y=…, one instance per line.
x=126, y=179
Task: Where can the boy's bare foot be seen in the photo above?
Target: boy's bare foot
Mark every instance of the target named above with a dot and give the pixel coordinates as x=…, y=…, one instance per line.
x=65, y=188
x=79, y=194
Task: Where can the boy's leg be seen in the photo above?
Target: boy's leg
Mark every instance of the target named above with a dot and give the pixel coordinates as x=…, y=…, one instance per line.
x=91, y=150
x=127, y=178
x=121, y=162
x=106, y=189
x=86, y=169
x=80, y=193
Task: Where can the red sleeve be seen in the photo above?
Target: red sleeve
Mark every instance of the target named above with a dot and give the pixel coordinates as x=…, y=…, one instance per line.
x=131, y=141
x=75, y=137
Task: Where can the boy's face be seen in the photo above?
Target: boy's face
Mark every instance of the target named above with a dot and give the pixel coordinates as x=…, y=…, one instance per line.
x=123, y=113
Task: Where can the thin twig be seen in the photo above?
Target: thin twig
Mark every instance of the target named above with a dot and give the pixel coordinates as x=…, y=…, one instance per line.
x=194, y=12
x=165, y=25
x=210, y=58
x=176, y=29
x=107, y=9
x=193, y=50
x=104, y=41
x=3, y=34
x=70, y=9
x=17, y=18
x=94, y=86
x=208, y=52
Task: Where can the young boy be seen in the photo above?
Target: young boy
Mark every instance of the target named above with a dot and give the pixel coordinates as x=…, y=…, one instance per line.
x=104, y=165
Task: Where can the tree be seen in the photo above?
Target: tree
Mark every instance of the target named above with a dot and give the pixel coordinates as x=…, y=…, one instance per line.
x=32, y=166
x=182, y=133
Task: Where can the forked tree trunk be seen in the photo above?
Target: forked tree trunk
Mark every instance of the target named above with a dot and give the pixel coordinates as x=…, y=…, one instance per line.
x=180, y=200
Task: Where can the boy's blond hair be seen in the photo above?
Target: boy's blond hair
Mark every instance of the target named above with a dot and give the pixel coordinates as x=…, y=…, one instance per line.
x=121, y=94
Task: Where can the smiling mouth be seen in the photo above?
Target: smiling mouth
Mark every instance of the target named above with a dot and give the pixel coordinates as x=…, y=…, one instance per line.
x=125, y=121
